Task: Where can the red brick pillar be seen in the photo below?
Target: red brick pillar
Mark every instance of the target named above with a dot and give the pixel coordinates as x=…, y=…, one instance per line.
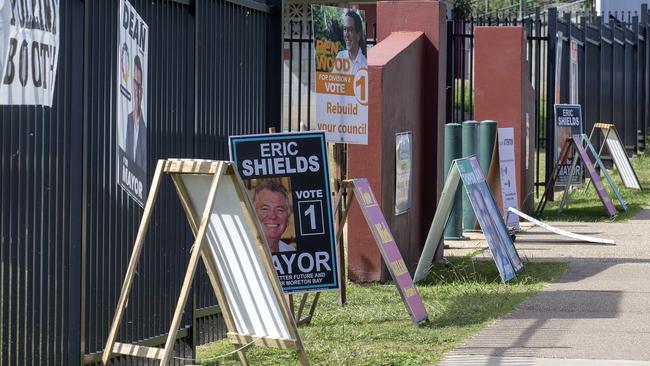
x=405, y=95
x=504, y=94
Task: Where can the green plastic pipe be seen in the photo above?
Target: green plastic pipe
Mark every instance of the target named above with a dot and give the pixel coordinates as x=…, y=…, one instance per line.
x=454, y=150
x=470, y=145
x=487, y=133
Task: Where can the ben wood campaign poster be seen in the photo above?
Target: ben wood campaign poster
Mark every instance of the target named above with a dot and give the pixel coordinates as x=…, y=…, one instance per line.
x=341, y=74
x=29, y=54
x=568, y=122
x=287, y=179
x=133, y=41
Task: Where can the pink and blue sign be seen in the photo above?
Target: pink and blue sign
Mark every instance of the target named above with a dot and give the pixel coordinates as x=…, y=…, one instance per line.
x=389, y=251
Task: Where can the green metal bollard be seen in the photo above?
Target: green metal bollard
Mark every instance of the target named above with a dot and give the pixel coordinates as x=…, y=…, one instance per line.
x=487, y=133
x=453, y=150
x=470, y=144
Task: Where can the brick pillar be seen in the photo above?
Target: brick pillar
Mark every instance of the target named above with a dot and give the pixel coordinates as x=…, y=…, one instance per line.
x=395, y=106
x=504, y=94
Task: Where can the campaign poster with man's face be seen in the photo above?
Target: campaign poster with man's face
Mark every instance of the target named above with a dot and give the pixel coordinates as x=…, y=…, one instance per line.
x=132, y=154
x=287, y=179
x=341, y=73
x=503, y=250
x=568, y=122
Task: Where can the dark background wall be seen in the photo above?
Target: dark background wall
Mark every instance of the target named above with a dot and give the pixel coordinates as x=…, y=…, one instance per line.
x=67, y=229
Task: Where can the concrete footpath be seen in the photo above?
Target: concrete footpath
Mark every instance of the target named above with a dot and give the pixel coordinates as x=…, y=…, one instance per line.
x=596, y=313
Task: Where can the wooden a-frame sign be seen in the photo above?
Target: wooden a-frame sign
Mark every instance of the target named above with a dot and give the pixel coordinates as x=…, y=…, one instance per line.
x=576, y=140
x=501, y=246
x=580, y=151
x=230, y=241
x=612, y=140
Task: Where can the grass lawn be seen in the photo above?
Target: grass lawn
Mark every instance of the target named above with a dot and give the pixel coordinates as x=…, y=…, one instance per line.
x=374, y=328
x=586, y=206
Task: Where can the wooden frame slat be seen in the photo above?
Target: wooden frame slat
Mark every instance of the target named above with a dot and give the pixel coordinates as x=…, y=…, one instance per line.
x=239, y=339
x=138, y=351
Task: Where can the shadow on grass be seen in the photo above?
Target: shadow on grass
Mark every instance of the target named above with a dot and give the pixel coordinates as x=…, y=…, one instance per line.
x=478, y=294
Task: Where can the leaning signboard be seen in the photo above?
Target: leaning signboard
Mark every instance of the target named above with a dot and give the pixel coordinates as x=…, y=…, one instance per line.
x=503, y=250
x=287, y=179
x=341, y=74
x=568, y=122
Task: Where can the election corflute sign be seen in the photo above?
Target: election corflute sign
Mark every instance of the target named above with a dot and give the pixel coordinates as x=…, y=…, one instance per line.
x=341, y=74
x=287, y=179
x=389, y=250
x=29, y=56
x=568, y=122
x=132, y=46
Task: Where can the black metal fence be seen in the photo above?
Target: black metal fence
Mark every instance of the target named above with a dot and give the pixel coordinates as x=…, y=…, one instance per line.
x=611, y=82
x=299, y=66
x=67, y=229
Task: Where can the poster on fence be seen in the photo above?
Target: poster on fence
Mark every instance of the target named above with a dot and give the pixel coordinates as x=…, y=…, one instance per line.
x=5, y=31
x=558, y=67
x=568, y=122
x=574, y=88
x=287, y=178
x=341, y=74
x=132, y=63
x=403, y=169
x=31, y=52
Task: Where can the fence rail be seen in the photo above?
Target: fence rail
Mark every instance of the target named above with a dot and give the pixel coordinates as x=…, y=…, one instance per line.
x=611, y=78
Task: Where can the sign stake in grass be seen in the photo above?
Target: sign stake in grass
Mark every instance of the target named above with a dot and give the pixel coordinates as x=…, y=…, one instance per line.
x=230, y=240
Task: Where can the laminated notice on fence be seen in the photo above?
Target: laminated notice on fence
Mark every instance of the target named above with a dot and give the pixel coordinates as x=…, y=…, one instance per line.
x=132, y=46
x=30, y=57
x=341, y=74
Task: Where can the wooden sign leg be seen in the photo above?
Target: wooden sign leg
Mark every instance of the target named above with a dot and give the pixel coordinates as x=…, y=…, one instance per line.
x=550, y=183
x=133, y=263
x=312, y=308
x=600, y=151
x=343, y=215
x=302, y=357
x=565, y=195
x=209, y=264
x=191, y=268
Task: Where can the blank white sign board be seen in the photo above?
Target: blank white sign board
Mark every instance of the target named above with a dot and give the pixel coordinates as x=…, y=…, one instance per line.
x=231, y=243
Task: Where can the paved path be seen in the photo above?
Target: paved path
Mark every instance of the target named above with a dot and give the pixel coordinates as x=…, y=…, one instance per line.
x=596, y=313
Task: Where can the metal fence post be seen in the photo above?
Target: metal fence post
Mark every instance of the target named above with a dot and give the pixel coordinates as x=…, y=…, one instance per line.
x=550, y=94
x=75, y=317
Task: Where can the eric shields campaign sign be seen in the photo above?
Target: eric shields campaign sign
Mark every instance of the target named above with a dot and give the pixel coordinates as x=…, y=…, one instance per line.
x=132, y=45
x=287, y=179
x=341, y=74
